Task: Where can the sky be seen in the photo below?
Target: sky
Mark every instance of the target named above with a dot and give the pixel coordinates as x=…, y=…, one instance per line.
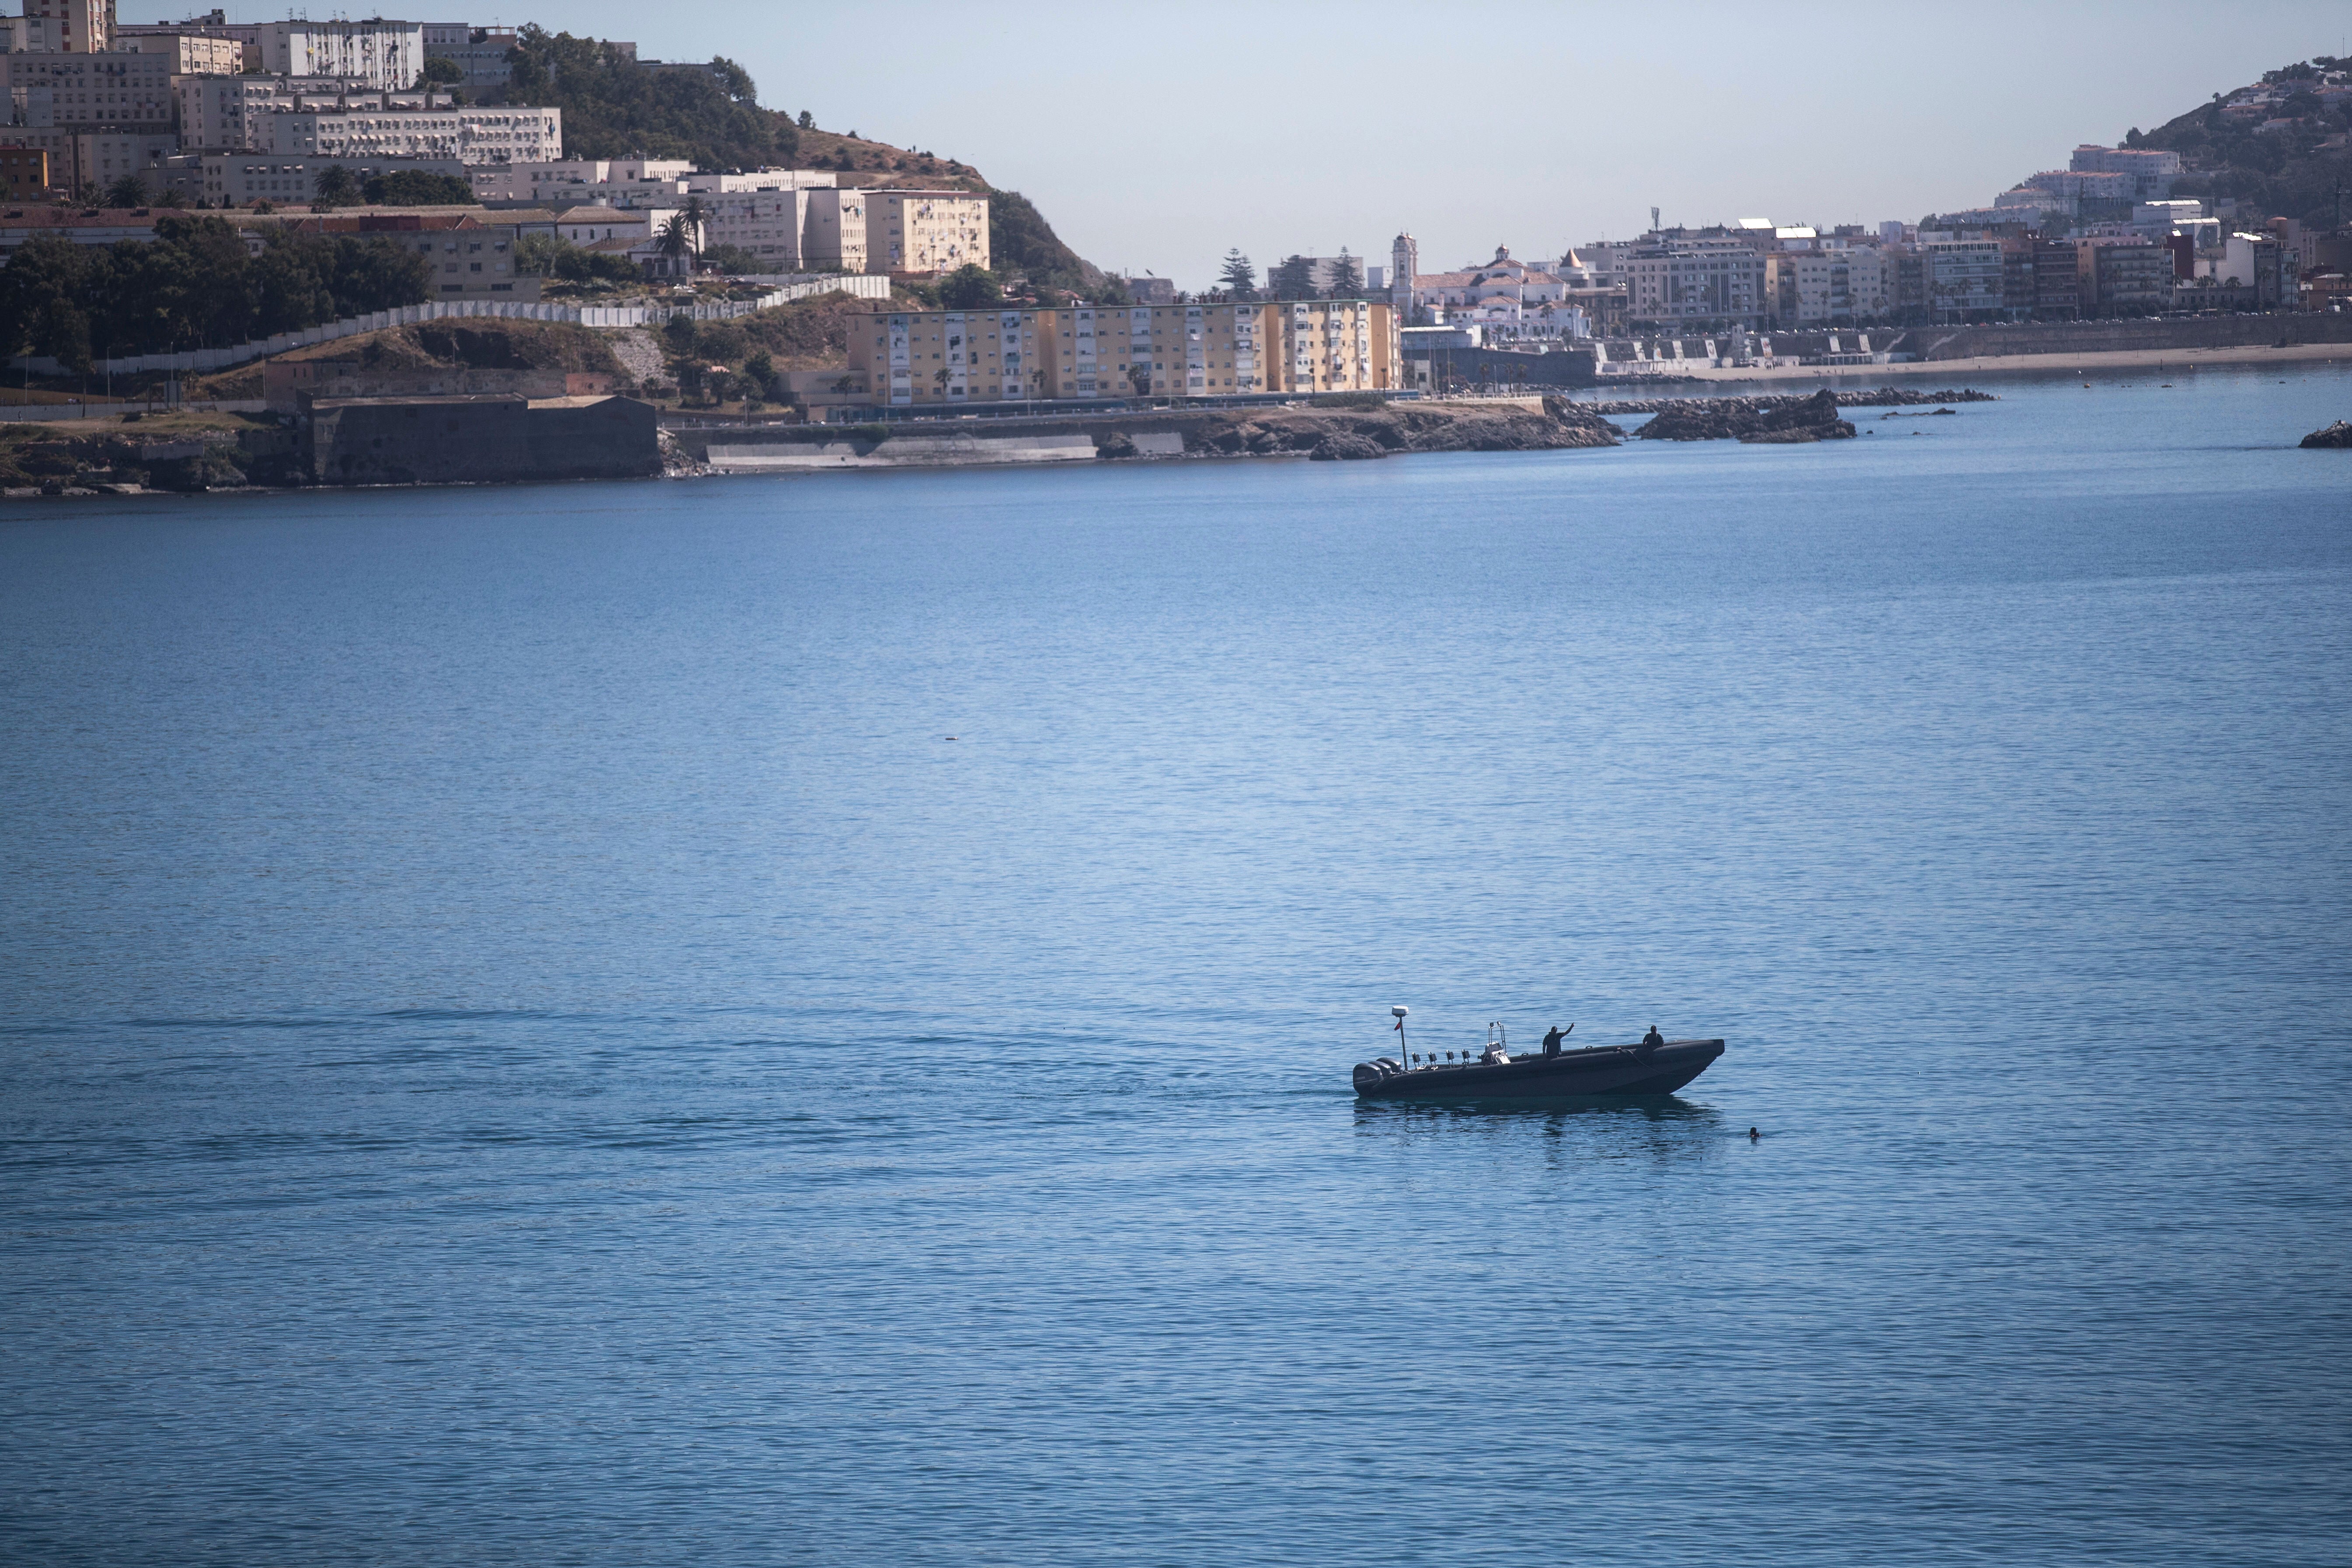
x=1155, y=137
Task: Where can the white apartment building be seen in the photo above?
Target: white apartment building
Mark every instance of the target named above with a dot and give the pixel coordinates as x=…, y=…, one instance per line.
x=385, y=56
x=86, y=91
x=227, y=113
x=1964, y=278
x=924, y=231
x=594, y=225
x=242, y=178
x=1827, y=289
x=836, y=238
x=2152, y=173
x=649, y=183
x=1692, y=281
x=499, y=133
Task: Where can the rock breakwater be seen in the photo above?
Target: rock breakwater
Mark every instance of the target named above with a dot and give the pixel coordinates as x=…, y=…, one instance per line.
x=1345, y=435
x=1764, y=420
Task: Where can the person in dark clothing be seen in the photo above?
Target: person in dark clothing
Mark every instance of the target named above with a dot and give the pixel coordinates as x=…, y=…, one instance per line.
x=1652, y=1039
x=1552, y=1040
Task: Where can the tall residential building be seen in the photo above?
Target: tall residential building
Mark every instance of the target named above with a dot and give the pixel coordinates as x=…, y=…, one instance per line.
x=1829, y=288
x=950, y=357
x=2124, y=277
x=926, y=231
x=835, y=237
x=385, y=56
x=69, y=27
x=1695, y=282
x=88, y=91
x=1966, y=279
x=2057, y=282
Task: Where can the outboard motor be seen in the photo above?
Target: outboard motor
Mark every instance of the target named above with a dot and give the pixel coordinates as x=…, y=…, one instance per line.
x=1368, y=1074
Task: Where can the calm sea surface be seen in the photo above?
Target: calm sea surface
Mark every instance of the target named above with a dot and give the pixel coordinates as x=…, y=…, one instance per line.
x=808, y=1021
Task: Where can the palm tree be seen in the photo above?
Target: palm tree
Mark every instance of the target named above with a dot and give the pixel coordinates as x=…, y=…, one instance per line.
x=676, y=240
x=130, y=191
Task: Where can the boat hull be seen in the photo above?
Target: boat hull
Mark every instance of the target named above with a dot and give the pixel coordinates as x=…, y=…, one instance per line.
x=1605, y=1071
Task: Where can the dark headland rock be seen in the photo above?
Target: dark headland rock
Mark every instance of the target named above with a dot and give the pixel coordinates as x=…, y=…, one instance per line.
x=1347, y=434
x=2336, y=434
x=1771, y=420
x=1342, y=446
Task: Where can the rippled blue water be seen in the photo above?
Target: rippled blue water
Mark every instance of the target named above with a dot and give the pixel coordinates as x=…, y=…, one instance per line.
x=525, y=1039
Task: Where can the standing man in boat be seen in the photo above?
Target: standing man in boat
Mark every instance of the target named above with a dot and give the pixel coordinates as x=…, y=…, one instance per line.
x=1552, y=1040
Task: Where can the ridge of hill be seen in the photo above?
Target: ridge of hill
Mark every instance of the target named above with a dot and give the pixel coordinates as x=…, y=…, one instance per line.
x=2278, y=144
x=614, y=107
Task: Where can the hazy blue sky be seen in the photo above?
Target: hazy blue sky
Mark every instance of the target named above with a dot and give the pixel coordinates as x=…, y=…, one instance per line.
x=1154, y=137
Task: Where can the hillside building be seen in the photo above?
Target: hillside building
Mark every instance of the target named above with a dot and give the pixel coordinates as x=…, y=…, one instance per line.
x=479, y=52
x=924, y=231
x=239, y=178
x=413, y=125
x=2152, y=173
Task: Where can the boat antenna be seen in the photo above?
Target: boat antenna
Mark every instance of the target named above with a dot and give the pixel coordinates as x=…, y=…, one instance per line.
x=1397, y=1013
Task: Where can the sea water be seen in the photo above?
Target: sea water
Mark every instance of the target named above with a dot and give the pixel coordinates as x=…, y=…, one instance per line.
x=808, y=1021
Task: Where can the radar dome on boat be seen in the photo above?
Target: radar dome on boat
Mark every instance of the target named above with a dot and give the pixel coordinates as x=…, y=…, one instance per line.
x=1399, y=1012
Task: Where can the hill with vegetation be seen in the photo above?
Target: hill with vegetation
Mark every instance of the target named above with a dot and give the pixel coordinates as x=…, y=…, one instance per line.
x=614, y=107
x=2278, y=146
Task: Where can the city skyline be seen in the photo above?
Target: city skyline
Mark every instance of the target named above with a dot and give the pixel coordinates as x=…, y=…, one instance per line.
x=1487, y=132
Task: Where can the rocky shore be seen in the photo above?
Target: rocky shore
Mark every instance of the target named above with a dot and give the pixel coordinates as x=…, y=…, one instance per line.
x=2338, y=434
x=1876, y=397
x=1762, y=420
x=1347, y=435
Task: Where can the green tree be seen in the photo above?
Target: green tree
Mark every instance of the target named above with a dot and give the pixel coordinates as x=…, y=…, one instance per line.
x=680, y=235
x=970, y=287
x=1347, y=278
x=1021, y=243
x=441, y=71
x=733, y=260
x=615, y=107
x=1292, y=278
x=338, y=187
x=1237, y=277
x=807, y=120
x=127, y=190
x=42, y=290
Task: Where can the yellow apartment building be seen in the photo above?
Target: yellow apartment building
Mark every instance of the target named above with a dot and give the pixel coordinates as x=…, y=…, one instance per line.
x=924, y=231
x=916, y=357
